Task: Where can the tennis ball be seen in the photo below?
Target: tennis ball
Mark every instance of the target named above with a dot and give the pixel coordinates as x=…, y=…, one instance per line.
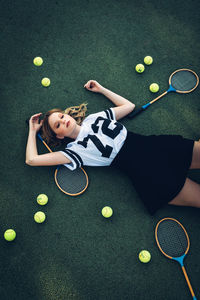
x=38, y=61
x=45, y=81
x=140, y=68
x=107, y=212
x=148, y=60
x=154, y=87
x=9, y=235
x=39, y=217
x=144, y=256
x=42, y=199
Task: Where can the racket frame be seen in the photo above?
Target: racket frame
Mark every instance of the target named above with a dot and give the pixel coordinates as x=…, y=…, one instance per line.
x=170, y=89
x=67, y=193
x=180, y=258
x=56, y=171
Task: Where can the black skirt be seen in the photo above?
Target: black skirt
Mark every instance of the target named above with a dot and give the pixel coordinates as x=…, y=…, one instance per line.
x=156, y=165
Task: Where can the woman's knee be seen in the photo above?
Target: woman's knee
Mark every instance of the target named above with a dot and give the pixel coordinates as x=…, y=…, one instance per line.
x=189, y=195
x=196, y=156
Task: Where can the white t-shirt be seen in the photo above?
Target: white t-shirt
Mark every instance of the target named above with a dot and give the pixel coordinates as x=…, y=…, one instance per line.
x=98, y=142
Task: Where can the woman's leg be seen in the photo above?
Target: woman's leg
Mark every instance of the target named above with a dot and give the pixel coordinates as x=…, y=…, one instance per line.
x=189, y=195
x=196, y=156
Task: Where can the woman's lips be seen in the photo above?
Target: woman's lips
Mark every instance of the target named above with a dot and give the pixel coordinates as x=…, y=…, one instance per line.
x=67, y=125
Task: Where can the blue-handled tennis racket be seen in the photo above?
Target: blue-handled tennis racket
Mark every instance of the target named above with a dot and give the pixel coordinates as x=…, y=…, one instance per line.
x=173, y=241
x=180, y=81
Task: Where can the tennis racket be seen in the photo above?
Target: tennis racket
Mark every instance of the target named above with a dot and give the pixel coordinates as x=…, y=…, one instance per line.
x=173, y=241
x=180, y=81
x=72, y=183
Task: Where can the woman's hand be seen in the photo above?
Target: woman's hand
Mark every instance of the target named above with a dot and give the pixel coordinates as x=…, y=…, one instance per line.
x=34, y=123
x=93, y=86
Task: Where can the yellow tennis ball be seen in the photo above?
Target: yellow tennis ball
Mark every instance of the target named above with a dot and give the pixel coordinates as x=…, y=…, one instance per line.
x=154, y=87
x=148, y=60
x=140, y=68
x=144, y=256
x=107, y=212
x=46, y=81
x=9, y=235
x=42, y=199
x=39, y=217
x=38, y=61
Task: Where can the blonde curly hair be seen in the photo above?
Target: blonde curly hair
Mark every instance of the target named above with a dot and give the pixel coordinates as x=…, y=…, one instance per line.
x=76, y=112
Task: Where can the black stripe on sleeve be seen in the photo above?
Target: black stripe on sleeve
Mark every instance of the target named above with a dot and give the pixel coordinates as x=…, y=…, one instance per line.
x=107, y=114
x=111, y=114
x=77, y=163
x=76, y=156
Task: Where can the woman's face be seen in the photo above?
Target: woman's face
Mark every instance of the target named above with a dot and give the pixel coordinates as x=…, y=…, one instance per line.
x=62, y=124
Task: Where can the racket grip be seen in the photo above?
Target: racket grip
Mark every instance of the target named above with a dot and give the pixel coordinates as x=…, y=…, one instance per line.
x=189, y=284
x=39, y=136
x=135, y=112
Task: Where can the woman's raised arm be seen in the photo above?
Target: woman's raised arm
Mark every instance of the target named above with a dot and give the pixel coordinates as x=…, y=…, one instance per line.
x=32, y=156
x=123, y=105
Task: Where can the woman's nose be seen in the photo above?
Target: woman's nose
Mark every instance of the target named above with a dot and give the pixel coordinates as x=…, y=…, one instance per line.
x=63, y=120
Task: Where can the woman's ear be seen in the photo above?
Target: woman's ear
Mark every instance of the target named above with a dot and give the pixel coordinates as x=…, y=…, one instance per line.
x=60, y=137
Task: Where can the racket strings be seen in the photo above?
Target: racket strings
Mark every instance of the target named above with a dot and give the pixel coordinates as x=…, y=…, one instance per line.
x=184, y=80
x=66, y=184
x=172, y=238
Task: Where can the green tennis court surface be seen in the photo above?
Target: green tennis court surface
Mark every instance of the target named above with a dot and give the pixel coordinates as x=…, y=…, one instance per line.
x=76, y=253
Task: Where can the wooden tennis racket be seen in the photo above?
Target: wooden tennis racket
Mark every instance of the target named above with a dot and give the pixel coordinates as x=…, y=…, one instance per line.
x=173, y=241
x=72, y=183
x=180, y=81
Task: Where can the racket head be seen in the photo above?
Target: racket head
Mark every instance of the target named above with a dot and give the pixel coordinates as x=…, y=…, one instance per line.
x=184, y=80
x=72, y=183
x=172, y=238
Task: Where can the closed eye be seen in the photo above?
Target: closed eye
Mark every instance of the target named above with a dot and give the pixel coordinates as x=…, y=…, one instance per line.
x=61, y=117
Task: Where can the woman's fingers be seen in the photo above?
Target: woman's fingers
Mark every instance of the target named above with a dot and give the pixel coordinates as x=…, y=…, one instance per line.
x=87, y=84
x=93, y=85
x=36, y=116
x=90, y=84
